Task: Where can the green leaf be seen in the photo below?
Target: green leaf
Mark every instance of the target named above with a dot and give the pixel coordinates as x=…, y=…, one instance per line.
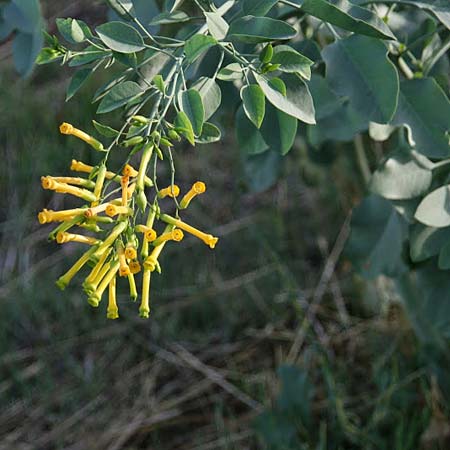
x=326, y=101
x=444, y=257
x=120, y=37
x=80, y=77
x=24, y=15
x=47, y=55
x=210, y=93
x=191, y=103
x=197, y=45
x=122, y=7
x=440, y=8
x=89, y=55
x=262, y=171
x=349, y=17
x=297, y=103
x=184, y=126
x=376, y=239
x=166, y=18
x=380, y=132
x=257, y=7
x=402, y=176
x=73, y=30
x=252, y=30
x=230, y=73
x=105, y=130
x=217, y=25
x=292, y=61
x=158, y=80
x=26, y=48
x=119, y=95
x=372, y=88
x=249, y=138
x=279, y=130
x=434, y=209
x=254, y=103
x=425, y=110
x=426, y=242
x=210, y=133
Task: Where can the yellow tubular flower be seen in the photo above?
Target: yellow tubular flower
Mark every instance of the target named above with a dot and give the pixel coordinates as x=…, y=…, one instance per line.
x=62, y=238
x=78, y=166
x=67, y=128
x=147, y=153
x=115, y=233
x=88, y=184
x=91, y=287
x=170, y=191
x=196, y=189
x=133, y=290
x=113, y=310
x=124, y=184
x=208, y=239
x=174, y=235
x=135, y=267
x=131, y=189
x=65, y=279
x=46, y=216
x=113, y=210
x=151, y=262
x=144, y=309
x=63, y=188
x=131, y=172
x=95, y=298
x=99, y=182
x=130, y=251
x=150, y=221
x=67, y=225
x=95, y=271
x=150, y=235
x=124, y=269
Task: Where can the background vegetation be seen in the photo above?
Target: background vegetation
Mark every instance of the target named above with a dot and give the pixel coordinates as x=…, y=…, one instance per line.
x=271, y=341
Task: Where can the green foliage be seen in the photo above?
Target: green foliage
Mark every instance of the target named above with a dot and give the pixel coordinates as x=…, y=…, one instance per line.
x=367, y=76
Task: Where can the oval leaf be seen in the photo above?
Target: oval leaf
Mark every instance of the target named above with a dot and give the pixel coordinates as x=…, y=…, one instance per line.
x=292, y=61
x=191, y=103
x=120, y=37
x=401, y=177
x=254, y=103
x=184, y=126
x=210, y=134
x=297, y=102
x=426, y=242
x=251, y=30
x=197, y=45
x=425, y=110
x=257, y=7
x=217, y=25
x=77, y=82
x=249, y=138
x=210, y=93
x=119, y=95
x=434, y=209
x=349, y=17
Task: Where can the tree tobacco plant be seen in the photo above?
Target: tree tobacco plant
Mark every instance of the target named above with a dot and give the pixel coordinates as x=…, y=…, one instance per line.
x=375, y=73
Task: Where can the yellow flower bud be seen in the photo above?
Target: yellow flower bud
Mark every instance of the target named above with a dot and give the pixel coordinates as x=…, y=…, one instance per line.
x=46, y=216
x=133, y=290
x=124, y=269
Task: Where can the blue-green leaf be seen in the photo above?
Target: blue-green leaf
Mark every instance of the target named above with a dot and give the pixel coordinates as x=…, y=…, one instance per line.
x=119, y=96
x=120, y=37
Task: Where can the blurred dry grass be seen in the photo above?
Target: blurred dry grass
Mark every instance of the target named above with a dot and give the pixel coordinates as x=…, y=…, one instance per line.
x=202, y=369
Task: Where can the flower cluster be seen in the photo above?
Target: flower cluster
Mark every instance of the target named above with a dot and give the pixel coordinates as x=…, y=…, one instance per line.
x=122, y=241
